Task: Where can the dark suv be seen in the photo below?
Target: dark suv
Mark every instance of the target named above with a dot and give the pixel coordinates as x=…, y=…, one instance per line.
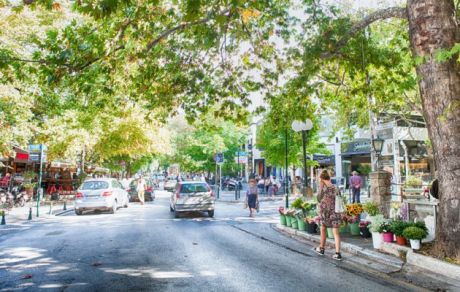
x=149, y=194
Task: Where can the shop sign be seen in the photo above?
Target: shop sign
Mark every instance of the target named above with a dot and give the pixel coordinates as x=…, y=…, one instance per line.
x=35, y=150
x=357, y=147
x=22, y=156
x=324, y=159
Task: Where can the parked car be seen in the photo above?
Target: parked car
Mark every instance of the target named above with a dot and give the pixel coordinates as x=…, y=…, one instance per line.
x=149, y=194
x=192, y=196
x=170, y=184
x=102, y=194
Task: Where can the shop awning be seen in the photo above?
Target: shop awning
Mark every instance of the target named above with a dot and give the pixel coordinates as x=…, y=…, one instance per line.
x=62, y=164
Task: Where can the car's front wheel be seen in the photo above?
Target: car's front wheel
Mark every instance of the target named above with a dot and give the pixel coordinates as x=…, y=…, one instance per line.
x=78, y=212
x=211, y=213
x=113, y=210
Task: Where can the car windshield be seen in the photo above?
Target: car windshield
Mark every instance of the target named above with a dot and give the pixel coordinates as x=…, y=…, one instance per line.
x=194, y=188
x=94, y=185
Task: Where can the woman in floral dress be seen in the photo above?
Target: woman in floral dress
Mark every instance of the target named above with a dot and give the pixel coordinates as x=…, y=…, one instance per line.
x=326, y=198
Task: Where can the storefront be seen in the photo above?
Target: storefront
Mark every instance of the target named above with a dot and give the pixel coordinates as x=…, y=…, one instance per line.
x=60, y=178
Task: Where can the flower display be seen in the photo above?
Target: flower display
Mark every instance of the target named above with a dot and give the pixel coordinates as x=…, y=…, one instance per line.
x=384, y=227
x=281, y=211
x=354, y=210
x=352, y=219
x=364, y=223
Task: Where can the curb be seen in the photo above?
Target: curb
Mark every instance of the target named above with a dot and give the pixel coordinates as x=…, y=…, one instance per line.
x=64, y=212
x=422, y=261
x=348, y=247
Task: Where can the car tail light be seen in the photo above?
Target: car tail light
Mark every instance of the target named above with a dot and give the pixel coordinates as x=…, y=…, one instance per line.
x=106, y=194
x=79, y=195
x=178, y=194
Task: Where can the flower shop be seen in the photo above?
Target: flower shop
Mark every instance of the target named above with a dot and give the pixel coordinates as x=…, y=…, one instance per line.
x=359, y=222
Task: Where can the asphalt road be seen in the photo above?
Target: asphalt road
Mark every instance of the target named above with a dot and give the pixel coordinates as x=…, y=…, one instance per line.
x=144, y=248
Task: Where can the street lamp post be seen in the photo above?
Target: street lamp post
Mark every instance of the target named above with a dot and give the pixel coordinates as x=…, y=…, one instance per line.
x=377, y=144
x=286, y=179
x=303, y=127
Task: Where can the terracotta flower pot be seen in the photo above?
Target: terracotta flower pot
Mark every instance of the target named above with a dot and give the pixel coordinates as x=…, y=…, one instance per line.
x=401, y=240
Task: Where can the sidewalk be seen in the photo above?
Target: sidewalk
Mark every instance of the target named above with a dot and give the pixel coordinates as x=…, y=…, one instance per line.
x=390, y=259
x=20, y=215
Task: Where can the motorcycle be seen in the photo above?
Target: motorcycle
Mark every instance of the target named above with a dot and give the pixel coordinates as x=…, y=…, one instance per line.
x=6, y=200
x=20, y=196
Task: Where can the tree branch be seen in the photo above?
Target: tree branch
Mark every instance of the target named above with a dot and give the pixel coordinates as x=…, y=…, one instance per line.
x=182, y=26
x=392, y=12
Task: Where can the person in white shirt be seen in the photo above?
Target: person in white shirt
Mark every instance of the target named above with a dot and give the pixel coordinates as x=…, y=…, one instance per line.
x=141, y=189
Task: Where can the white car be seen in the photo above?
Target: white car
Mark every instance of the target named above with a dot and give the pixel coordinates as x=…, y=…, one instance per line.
x=103, y=194
x=192, y=196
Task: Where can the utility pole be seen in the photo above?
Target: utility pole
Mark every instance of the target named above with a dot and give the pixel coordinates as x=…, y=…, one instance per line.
x=39, y=187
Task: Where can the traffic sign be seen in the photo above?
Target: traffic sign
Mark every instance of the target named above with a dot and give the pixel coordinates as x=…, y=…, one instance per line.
x=219, y=157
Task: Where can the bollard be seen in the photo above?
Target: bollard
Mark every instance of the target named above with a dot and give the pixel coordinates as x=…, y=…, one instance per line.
x=30, y=214
x=51, y=208
x=236, y=193
x=3, y=218
x=65, y=205
x=218, y=193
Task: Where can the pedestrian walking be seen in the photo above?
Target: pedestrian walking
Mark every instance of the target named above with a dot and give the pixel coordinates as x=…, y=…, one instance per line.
x=261, y=184
x=252, y=197
x=355, y=185
x=266, y=184
x=328, y=217
x=141, y=189
x=272, y=187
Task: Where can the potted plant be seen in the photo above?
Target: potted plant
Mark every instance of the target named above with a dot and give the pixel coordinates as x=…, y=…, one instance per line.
x=290, y=217
x=414, y=234
x=282, y=216
x=364, y=230
x=300, y=218
x=29, y=186
x=353, y=223
x=311, y=224
x=371, y=209
x=353, y=216
x=384, y=228
x=397, y=227
x=374, y=227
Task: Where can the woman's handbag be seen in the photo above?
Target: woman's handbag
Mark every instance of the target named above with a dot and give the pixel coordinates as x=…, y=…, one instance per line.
x=246, y=203
x=257, y=206
x=339, y=204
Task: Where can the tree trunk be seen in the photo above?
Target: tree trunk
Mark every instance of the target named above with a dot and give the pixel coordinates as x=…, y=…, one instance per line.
x=432, y=27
